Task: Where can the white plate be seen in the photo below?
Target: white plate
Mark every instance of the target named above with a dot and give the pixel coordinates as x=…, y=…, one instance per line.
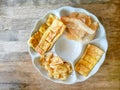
x=70, y=50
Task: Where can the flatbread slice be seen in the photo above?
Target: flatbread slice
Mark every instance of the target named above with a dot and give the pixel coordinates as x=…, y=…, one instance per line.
x=34, y=40
x=50, y=19
x=53, y=32
x=88, y=60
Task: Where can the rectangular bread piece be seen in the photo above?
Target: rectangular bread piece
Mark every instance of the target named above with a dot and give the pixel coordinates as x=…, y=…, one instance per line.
x=88, y=60
x=36, y=37
x=53, y=32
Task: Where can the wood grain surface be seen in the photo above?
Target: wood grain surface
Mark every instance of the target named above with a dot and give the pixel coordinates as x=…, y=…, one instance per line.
x=17, y=18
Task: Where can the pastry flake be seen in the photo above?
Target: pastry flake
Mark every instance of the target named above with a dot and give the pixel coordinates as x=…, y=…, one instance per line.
x=50, y=19
x=56, y=67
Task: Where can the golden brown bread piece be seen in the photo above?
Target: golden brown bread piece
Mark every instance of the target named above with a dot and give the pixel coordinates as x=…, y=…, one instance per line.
x=53, y=32
x=50, y=19
x=34, y=40
x=88, y=60
x=43, y=28
x=36, y=37
x=58, y=34
x=48, y=33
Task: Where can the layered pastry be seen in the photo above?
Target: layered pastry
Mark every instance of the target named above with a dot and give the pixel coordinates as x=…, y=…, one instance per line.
x=36, y=37
x=88, y=60
x=43, y=40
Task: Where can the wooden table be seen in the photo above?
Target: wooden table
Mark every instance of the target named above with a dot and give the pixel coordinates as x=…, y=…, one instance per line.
x=16, y=22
